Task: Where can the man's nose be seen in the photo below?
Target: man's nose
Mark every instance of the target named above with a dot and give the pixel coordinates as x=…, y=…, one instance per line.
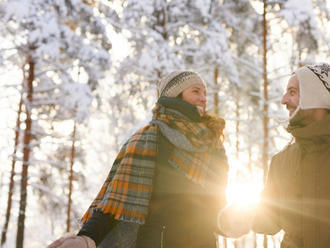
x=284, y=99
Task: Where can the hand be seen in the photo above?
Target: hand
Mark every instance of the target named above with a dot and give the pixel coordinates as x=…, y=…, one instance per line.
x=235, y=221
x=73, y=241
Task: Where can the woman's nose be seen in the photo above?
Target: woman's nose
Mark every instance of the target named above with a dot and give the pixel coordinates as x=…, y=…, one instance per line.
x=203, y=98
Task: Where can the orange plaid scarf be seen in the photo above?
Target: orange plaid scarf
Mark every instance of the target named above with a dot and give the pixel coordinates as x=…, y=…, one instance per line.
x=198, y=153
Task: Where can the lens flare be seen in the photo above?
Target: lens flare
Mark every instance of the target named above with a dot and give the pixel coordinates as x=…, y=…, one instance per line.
x=244, y=187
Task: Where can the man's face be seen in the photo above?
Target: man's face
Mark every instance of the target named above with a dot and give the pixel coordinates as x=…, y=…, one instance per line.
x=291, y=96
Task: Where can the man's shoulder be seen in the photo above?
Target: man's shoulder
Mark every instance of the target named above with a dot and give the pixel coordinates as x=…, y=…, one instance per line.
x=288, y=150
x=287, y=159
x=284, y=166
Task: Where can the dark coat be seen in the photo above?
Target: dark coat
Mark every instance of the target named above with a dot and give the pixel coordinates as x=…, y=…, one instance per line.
x=182, y=214
x=297, y=193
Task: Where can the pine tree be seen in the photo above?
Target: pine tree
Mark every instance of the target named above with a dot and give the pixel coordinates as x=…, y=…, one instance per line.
x=12, y=174
x=26, y=152
x=55, y=38
x=265, y=104
x=307, y=21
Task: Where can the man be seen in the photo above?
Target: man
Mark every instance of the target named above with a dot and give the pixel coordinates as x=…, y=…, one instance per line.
x=296, y=197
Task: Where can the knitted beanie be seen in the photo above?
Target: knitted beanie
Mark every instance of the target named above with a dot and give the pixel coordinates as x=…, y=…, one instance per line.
x=175, y=82
x=314, y=87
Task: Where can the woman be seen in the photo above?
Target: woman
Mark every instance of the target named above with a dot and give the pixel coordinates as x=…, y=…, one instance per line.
x=167, y=183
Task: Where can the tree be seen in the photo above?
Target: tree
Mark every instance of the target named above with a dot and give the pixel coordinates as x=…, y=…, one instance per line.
x=12, y=174
x=265, y=104
x=52, y=40
x=306, y=21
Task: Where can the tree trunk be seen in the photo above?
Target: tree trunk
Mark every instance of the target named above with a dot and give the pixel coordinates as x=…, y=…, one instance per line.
x=265, y=107
x=237, y=123
x=265, y=104
x=255, y=240
x=300, y=63
x=216, y=111
x=12, y=175
x=26, y=156
x=216, y=94
x=237, y=136
x=68, y=222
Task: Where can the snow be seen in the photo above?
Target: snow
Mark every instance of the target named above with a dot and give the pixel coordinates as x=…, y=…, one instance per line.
x=62, y=38
x=19, y=9
x=298, y=11
x=203, y=6
x=76, y=82
x=76, y=98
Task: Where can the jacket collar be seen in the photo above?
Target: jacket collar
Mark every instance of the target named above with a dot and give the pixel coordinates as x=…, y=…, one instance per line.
x=182, y=106
x=315, y=133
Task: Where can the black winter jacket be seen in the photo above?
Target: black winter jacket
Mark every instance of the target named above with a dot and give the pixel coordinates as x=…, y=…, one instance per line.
x=181, y=213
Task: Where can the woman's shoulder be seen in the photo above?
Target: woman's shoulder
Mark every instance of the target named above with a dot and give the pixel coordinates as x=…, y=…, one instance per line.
x=144, y=132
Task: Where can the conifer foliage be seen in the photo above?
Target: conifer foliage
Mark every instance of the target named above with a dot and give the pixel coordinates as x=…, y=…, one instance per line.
x=61, y=52
x=52, y=41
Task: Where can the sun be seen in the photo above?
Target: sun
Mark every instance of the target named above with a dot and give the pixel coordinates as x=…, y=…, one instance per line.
x=244, y=187
x=243, y=194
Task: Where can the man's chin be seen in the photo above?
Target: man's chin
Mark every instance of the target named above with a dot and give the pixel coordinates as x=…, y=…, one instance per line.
x=297, y=119
x=291, y=111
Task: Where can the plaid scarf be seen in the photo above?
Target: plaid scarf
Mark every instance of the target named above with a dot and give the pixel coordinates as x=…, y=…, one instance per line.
x=198, y=153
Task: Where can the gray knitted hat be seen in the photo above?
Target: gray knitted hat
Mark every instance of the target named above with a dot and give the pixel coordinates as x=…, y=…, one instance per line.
x=175, y=82
x=314, y=87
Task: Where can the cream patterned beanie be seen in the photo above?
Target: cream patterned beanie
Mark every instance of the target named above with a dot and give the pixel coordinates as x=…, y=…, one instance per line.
x=314, y=87
x=174, y=83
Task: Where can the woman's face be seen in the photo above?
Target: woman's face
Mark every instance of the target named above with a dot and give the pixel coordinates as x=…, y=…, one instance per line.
x=196, y=95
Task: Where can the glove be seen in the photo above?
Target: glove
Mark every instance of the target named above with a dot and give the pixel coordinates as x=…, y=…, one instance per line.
x=73, y=241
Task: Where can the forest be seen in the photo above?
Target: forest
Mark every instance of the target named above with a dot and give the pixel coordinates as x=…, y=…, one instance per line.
x=78, y=77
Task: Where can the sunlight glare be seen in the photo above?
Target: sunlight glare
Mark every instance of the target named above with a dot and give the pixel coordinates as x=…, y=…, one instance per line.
x=243, y=187
x=243, y=194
